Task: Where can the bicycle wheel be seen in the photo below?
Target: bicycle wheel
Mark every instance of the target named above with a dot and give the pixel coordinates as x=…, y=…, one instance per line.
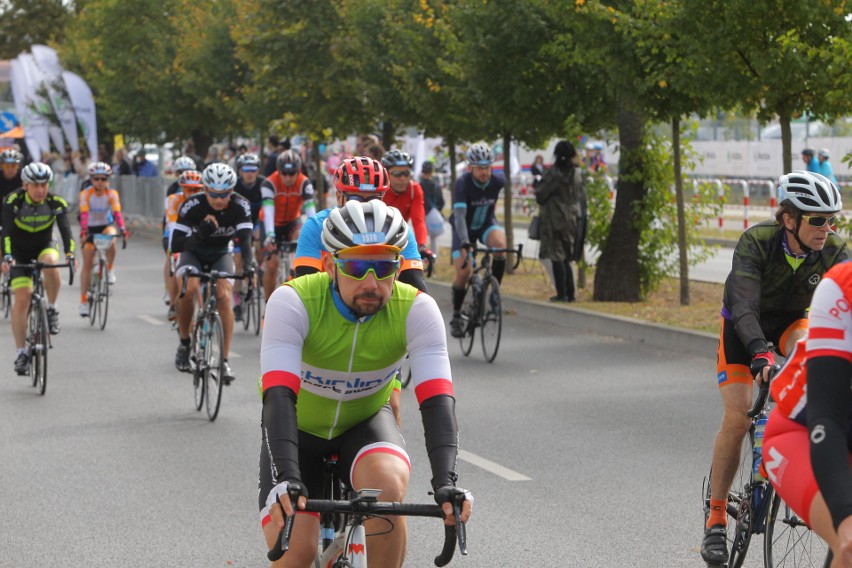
x=788, y=541
x=492, y=319
x=741, y=505
x=257, y=306
x=5, y=296
x=405, y=372
x=103, y=297
x=196, y=363
x=32, y=339
x=470, y=314
x=214, y=358
x=39, y=347
x=248, y=308
x=92, y=296
x=736, y=494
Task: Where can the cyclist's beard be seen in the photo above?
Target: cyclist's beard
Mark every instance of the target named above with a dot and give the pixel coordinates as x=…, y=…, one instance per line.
x=361, y=310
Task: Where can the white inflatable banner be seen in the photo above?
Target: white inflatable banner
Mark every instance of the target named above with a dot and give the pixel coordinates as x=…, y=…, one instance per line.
x=84, y=107
x=48, y=63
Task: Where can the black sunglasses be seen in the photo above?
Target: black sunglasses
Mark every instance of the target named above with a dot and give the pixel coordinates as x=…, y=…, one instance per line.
x=99, y=178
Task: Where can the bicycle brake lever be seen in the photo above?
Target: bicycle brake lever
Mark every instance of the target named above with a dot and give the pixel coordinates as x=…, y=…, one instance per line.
x=461, y=531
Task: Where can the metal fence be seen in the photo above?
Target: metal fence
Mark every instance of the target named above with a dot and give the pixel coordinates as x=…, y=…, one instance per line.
x=140, y=196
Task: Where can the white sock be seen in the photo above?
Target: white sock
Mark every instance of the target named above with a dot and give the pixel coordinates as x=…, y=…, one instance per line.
x=19, y=352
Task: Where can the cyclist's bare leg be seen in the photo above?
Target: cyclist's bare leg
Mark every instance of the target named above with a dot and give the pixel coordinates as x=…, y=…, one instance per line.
x=496, y=239
x=186, y=307
x=303, y=542
x=462, y=274
x=19, y=315
x=88, y=263
x=110, y=253
x=51, y=276
x=223, y=304
x=737, y=398
x=172, y=286
x=821, y=523
x=389, y=473
x=270, y=274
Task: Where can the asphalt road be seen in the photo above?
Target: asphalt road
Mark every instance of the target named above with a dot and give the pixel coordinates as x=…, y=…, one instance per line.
x=596, y=447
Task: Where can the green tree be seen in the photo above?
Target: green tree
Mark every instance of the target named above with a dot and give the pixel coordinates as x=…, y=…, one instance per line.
x=27, y=22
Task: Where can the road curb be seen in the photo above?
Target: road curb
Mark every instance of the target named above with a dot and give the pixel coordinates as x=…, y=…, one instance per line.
x=700, y=344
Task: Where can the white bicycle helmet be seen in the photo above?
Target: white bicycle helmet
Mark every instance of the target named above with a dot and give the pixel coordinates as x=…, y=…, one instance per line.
x=289, y=162
x=183, y=164
x=368, y=223
x=809, y=191
x=219, y=177
x=10, y=156
x=248, y=161
x=100, y=168
x=480, y=155
x=36, y=172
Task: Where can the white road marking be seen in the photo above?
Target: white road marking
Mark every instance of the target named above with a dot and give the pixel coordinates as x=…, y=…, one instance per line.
x=149, y=319
x=494, y=468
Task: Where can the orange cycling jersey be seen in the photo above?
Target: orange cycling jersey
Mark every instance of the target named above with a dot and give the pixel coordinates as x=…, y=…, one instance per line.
x=99, y=210
x=173, y=203
x=288, y=199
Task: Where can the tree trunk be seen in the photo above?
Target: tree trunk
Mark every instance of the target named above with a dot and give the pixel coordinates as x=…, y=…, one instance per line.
x=681, y=218
x=786, y=140
x=320, y=181
x=202, y=142
x=507, y=200
x=387, y=134
x=617, y=276
x=451, y=148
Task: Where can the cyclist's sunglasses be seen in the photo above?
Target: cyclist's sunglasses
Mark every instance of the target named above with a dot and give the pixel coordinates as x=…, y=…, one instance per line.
x=358, y=269
x=406, y=173
x=222, y=195
x=99, y=178
x=816, y=221
x=362, y=197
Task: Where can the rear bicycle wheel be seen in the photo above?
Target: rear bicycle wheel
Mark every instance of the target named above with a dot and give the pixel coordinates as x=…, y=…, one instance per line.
x=257, y=306
x=248, y=308
x=214, y=363
x=740, y=503
x=470, y=314
x=789, y=542
x=196, y=364
x=5, y=296
x=103, y=297
x=492, y=319
x=404, y=374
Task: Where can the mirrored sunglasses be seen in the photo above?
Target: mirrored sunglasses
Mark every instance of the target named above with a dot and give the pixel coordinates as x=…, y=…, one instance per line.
x=817, y=221
x=406, y=173
x=358, y=269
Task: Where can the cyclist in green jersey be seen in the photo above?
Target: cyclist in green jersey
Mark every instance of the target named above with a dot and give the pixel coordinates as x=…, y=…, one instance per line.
x=332, y=344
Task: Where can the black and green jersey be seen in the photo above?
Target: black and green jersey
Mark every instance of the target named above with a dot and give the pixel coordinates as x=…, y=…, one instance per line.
x=763, y=288
x=29, y=226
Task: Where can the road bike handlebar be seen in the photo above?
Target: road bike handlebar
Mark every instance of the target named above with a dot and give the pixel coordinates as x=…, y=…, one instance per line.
x=42, y=265
x=474, y=249
x=115, y=236
x=763, y=391
x=208, y=276
x=378, y=508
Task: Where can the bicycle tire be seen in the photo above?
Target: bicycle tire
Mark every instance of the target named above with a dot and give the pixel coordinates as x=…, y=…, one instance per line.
x=741, y=501
x=248, y=308
x=5, y=296
x=103, y=298
x=405, y=372
x=788, y=541
x=737, y=491
x=196, y=364
x=492, y=319
x=93, y=295
x=470, y=315
x=214, y=362
x=39, y=359
x=32, y=339
x=257, y=304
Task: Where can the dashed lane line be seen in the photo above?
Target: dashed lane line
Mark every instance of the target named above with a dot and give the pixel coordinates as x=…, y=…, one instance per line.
x=492, y=467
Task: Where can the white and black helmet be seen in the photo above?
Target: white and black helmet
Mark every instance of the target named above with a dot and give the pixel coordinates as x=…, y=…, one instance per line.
x=10, y=156
x=100, y=168
x=36, y=172
x=359, y=223
x=289, y=162
x=219, y=177
x=183, y=164
x=479, y=155
x=808, y=191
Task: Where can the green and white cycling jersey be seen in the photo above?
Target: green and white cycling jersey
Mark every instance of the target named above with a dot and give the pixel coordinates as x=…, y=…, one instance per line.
x=342, y=368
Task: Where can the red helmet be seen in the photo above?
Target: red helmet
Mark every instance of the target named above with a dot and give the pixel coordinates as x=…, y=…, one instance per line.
x=361, y=175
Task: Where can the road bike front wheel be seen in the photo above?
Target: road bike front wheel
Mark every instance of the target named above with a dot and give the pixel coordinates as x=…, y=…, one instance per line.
x=93, y=296
x=405, y=372
x=103, y=297
x=788, y=542
x=39, y=345
x=5, y=296
x=257, y=307
x=470, y=314
x=214, y=366
x=196, y=364
x=740, y=503
x=492, y=319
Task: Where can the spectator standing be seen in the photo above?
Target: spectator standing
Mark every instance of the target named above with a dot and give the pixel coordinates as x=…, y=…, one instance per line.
x=433, y=198
x=811, y=163
x=142, y=167
x=120, y=164
x=824, y=166
x=276, y=147
x=189, y=150
x=537, y=170
x=559, y=196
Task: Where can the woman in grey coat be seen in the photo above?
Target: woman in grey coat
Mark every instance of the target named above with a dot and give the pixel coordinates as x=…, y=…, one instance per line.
x=561, y=199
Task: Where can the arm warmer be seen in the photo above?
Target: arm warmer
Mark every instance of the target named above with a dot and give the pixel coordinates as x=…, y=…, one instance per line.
x=84, y=221
x=442, y=438
x=246, y=249
x=828, y=407
x=460, y=223
x=65, y=233
x=178, y=240
x=268, y=216
x=412, y=276
x=281, y=433
x=119, y=220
